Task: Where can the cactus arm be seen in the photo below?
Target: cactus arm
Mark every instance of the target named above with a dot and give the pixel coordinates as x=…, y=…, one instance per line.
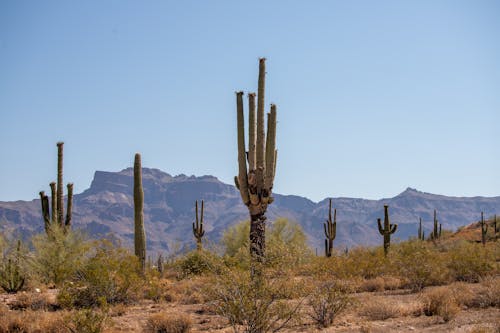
x=242, y=163
x=236, y=182
x=260, y=127
x=394, y=227
x=53, y=198
x=270, y=148
x=252, y=131
x=201, y=221
x=69, y=208
x=380, y=229
x=45, y=210
x=60, y=206
x=326, y=229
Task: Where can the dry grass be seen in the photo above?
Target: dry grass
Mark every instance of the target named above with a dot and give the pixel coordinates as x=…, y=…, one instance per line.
x=487, y=293
x=440, y=301
x=32, y=322
x=163, y=322
x=376, y=308
x=33, y=301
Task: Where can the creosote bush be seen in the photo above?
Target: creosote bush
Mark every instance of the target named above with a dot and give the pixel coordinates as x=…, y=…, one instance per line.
x=163, y=322
x=440, y=301
x=111, y=273
x=327, y=301
x=470, y=262
x=199, y=262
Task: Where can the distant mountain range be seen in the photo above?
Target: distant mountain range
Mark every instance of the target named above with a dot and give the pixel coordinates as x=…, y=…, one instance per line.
x=107, y=207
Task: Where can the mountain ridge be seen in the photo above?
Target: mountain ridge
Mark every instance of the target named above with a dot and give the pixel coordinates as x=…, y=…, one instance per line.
x=107, y=206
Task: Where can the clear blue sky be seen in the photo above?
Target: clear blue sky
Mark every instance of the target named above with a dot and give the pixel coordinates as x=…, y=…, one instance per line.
x=373, y=96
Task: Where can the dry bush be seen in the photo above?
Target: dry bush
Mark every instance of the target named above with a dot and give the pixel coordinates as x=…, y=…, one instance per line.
x=189, y=291
x=380, y=309
x=118, y=310
x=33, y=301
x=462, y=293
x=392, y=282
x=32, y=322
x=163, y=322
x=87, y=320
x=440, y=301
x=375, y=284
x=485, y=329
x=252, y=305
x=328, y=301
x=487, y=293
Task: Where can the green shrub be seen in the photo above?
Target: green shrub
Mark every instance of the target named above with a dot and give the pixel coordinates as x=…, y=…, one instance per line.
x=198, y=263
x=56, y=259
x=12, y=270
x=112, y=273
x=470, y=262
x=87, y=320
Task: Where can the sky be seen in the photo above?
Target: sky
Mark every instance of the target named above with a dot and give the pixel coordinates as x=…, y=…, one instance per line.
x=372, y=96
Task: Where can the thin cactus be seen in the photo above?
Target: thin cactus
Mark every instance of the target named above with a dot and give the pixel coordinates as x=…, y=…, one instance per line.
x=330, y=228
x=198, y=230
x=436, y=230
x=420, y=230
x=11, y=277
x=139, y=233
x=57, y=195
x=387, y=230
x=159, y=264
x=257, y=166
x=495, y=230
x=484, y=230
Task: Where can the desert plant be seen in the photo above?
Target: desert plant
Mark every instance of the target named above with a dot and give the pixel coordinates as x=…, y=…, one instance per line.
x=12, y=275
x=57, y=195
x=254, y=306
x=139, y=233
x=327, y=301
x=330, y=230
x=256, y=184
x=163, y=322
x=469, y=261
x=436, y=230
x=87, y=320
x=440, y=301
x=380, y=309
x=484, y=230
x=199, y=263
x=110, y=274
x=421, y=232
x=57, y=255
x=198, y=231
x=387, y=230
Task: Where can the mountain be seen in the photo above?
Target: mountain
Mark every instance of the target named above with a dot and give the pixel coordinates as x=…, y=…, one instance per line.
x=107, y=207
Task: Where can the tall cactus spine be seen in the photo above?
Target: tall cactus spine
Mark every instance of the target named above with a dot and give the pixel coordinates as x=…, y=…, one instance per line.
x=139, y=233
x=330, y=228
x=55, y=214
x=484, y=230
x=436, y=230
x=198, y=230
x=387, y=230
x=257, y=166
x=420, y=230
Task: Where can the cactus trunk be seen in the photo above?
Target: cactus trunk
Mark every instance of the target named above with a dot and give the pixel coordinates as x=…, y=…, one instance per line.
x=484, y=230
x=60, y=205
x=139, y=233
x=198, y=230
x=330, y=228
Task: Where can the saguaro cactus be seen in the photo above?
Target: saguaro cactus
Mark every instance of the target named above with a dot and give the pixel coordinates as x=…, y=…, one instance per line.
x=255, y=182
x=436, y=231
x=420, y=230
x=139, y=233
x=198, y=231
x=387, y=230
x=495, y=227
x=330, y=230
x=57, y=195
x=484, y=229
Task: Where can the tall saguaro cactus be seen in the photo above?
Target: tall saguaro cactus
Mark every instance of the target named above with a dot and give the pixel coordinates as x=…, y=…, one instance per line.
x=257, y=167
x=495, y=227
x=57, y=199
x=387, y=230
x=330, y=230
x=484, y=230
x=139, y=233
x=436, y=233
x=198, y=230
x=420, y=230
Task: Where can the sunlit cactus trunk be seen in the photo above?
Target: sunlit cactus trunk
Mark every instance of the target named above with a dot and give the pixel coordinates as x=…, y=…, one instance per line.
x=420, y=230
x=330, y=230
x=484, y=230
x=387, y=230
x=55, y=214
x=198, y=230
x=139, y=233
x=255, y=179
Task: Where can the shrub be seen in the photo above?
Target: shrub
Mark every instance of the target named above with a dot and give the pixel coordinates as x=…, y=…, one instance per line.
x=469, y=262
x=33, y=301
x=440, y=301
x=198, y=263
x=256, y=306
x=57, y=258
x=380, y=309
x=12, y=273
x=327, y=301
x=487, y=293
x=111, y=273
x=420, y=265
x=168, y=323
x=87, y=320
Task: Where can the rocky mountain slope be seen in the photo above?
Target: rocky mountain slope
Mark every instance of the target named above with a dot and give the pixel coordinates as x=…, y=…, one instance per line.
x=107, y=207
